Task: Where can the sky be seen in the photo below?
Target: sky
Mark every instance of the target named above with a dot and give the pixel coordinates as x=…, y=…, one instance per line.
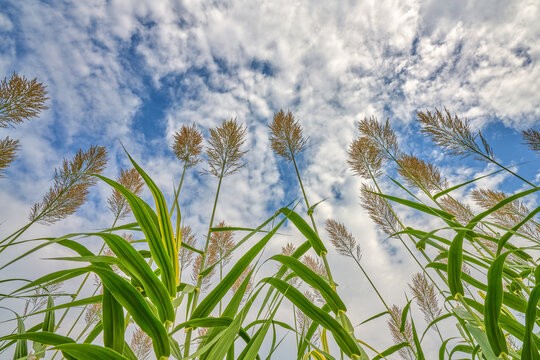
x=132, y=72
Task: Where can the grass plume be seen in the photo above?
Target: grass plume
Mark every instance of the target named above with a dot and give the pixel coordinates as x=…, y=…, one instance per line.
x=462, y=212
x=426, y=297
x=454, y=135
x=8, y=153
x=365, y=158
x=419, y=173
x=222, y=243
x=510, y=214
x=381, y=135
x=531, y=137
x=70, y=188
x=343, y=241
x=378, y=210
x=187, y=145
x=20, y=99
x=286, y=136
x=224, y=153
x=185, y=256
x=131, y=180
x=399, y=337
x=141, y=345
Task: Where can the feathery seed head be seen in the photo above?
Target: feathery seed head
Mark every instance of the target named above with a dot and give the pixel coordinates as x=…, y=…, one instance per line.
x=222, y=242
x=462, y=212
x=93, y=313
x=187, y=145
x=185, y=256
x=240, y=280
x=131, y=180
x=418, y=173
x=286, y=136
x=532, y=139
x=70, y=188
x=315, y=265
x=426, y=297
x=454, y=135
x=382, y=136
x=303, y=321
x=8, y=153
x=288, y=249
x=20, y=99
x=342, y=240
x=141, y=344
x=365, y=158
x=510, y=214
x=378, y=210
x=224, y=154
x=399, y=337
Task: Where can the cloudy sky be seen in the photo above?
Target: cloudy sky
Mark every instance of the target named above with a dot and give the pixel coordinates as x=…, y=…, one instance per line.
x=132, y=72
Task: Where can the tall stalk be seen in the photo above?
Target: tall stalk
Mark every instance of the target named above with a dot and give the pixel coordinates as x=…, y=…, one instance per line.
x=187, y=341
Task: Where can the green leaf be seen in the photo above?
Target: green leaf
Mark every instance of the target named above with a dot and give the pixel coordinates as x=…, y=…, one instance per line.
x=493, y=304
x=440, y=318
x=230, y=311
x=455, y=253
x=455, y=261
x=463, y=184
x=442, y=348
x=210, y=268
x=137, y=266
x=89, y=352
x=417, y=345
x=506, y=237
x=374, y=317
x=147, y=219
x=530, y=350
x=251, y=351
x=21, y=349
x=314, y=280
x=343, y=339
x=220, y=349
x=94, y=333
x=212, y=299
x=482, y=340
x=418, y=206
x=391, y=350
x=43, y=337
x=48, y=322
x=208, y=322
x=306, y=230
x=404, y=317
x=137, y=307
x=165, y=226
x=113, y=322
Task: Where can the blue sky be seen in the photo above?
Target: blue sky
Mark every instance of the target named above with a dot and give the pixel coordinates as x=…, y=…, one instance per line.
x=134, y=71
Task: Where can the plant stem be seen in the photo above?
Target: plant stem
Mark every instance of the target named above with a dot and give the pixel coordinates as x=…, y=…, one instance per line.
x=178, y=191
x=203, y=260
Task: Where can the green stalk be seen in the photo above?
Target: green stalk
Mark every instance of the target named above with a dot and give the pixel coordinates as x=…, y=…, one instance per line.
x=325, y=261
x=342, y=314
x=178, y=191
x=203, y=260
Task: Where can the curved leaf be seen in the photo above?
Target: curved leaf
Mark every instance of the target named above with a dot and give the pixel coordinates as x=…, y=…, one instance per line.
x=306, y=230
x=342, y=337
x=314, y=280
x=133, y=261
x=146, y=218
x=530, y=350
x=135, y=304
